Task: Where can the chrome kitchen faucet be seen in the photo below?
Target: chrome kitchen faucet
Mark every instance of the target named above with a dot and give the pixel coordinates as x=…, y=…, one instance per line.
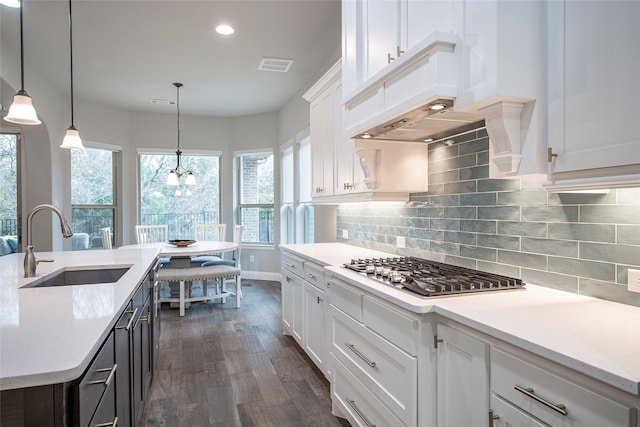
x=30, y=260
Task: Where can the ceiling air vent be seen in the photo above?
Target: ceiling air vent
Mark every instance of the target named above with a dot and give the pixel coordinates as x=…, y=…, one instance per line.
x=275, y=64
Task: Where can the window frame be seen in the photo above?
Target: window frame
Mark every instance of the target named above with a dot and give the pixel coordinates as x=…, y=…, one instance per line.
x=18, y=152
x=116, y=151
x=287, y=201
x=237, y=155
x=185, y=153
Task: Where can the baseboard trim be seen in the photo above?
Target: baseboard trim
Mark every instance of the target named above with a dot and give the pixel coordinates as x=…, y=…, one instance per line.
x=260, y=275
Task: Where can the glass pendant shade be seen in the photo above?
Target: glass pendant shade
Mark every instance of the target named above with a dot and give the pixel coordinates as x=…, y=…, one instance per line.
x=172, y=179
x=72, y=139
x=191, y=180
x=21, y=110
x=178, y=193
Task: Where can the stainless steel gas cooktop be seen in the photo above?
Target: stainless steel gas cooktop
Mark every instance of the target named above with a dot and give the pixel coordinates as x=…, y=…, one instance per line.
x=430, y=278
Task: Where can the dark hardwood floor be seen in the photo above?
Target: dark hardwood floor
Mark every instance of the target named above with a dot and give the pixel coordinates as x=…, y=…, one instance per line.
x=222, y=366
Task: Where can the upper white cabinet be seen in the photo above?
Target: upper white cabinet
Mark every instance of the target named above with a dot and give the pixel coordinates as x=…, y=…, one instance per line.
x=487, y=56
x=378, y=32
x=346, y=169
x=594, y=94
x=324, y=98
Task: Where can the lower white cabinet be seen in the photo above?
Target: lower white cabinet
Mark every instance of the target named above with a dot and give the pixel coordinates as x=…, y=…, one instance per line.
x=503, y=414
x=462, y=378
x=297, y=296
x=314, y=313
x=549, y=397
x=375, y=357
x=304, y=307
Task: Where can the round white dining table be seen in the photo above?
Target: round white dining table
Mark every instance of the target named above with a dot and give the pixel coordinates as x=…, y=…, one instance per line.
x=203, y=247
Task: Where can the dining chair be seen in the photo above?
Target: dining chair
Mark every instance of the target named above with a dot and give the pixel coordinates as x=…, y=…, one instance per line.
x=152, y=233
x=214, y=232
x=105, y=234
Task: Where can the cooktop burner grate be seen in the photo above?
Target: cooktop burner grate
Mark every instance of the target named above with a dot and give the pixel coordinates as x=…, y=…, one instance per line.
x=431, y=278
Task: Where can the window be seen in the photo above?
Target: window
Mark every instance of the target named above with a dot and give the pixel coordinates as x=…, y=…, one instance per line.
x=93, y=201
x=304, y=209
x=9, y=183
x=183, y=206
x=286, y=209
x=255, y=196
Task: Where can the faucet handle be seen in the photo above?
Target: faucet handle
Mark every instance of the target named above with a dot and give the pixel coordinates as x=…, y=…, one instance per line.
x=44, y=260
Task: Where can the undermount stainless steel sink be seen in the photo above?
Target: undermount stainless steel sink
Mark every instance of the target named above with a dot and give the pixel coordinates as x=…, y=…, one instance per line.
x=81, y=276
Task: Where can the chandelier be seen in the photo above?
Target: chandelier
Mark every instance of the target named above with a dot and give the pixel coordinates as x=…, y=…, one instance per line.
x=176, y=173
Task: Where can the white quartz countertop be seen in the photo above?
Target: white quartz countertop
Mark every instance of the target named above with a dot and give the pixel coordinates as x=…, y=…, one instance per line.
x=599, y=338
x=49, y=335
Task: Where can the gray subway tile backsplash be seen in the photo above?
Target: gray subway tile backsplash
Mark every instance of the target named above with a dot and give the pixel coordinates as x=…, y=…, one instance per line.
x=629, y=234
x=577, y=242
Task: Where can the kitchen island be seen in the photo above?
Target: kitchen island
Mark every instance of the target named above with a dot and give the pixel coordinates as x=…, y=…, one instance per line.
x=584, y=345
x=50, y=336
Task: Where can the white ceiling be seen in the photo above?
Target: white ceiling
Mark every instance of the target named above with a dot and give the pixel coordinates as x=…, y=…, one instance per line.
x=127, y=52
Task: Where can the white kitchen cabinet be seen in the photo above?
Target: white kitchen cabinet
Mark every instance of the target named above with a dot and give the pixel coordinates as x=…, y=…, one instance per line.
x=304, y=307
x=462, y=51
x=314, y=312
x=323, y=99
x=593, y=94
x=503, y=414
x=292, y=287
x=349, y=174
x=463, y=378
x=286, y=291
x=549, y=397
x=345, y=169
x=297, y=295
x=378, y=32
x=375, y=357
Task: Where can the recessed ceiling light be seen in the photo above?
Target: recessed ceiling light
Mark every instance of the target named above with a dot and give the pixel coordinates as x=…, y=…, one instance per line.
x=428, y=140
x=10, y=3
x=225, y=29
x=437, y=107
x=365, y=136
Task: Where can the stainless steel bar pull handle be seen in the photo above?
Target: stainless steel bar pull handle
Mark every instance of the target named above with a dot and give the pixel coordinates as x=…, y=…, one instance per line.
x=352, y=403
x=114, y=423
x=360, y=355
x=530, y=393
x=312, y=276
x=109, y=377
x=133, y=315
x=492, y=417
x=288, y=264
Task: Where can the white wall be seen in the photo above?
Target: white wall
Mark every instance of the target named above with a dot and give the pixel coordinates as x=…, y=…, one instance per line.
x=46, y=167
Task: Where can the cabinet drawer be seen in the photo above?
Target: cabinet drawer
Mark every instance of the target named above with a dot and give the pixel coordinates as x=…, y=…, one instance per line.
x=391, y=323
x=346, y=299
x=387, y=371
x=96, y=380
x=105, y=415
x=314, y=274
x=355, y=400
x=293, y=264
x=545, y=395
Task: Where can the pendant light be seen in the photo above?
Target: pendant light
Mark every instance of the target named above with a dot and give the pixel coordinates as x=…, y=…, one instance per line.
x=21, y=110
x=176, y=174
x=72, y=138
